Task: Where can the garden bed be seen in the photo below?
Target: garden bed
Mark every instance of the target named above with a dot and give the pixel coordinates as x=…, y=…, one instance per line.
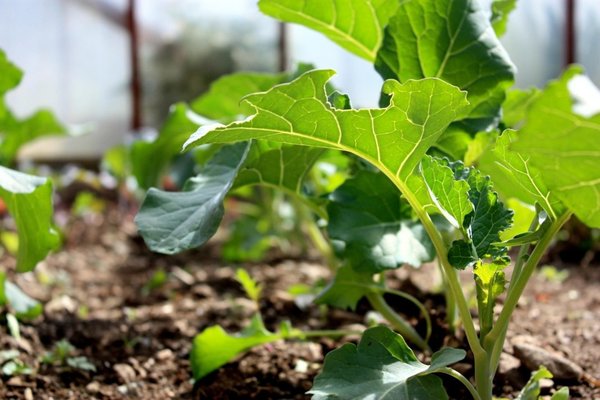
x=97, y=297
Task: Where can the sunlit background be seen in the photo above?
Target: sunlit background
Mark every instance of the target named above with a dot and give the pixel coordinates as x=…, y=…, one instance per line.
x=78, y=58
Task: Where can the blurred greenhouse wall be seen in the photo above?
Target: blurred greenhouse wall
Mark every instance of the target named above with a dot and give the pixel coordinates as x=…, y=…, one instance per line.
x=77, y=60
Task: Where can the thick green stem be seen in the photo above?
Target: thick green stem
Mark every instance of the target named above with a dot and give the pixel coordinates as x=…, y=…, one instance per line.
x=460, y=377
x=449, y=272
x=400, y=325
x=516, y=289
x=494, y=341
x=484, y=377
x=384, y=290
x=452, y=317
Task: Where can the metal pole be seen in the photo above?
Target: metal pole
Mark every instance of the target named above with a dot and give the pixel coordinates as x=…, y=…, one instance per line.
x=134, y=85
x=570, y=45
x=282, y=47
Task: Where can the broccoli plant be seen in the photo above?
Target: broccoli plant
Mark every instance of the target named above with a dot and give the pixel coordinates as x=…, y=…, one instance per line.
x=466, y=167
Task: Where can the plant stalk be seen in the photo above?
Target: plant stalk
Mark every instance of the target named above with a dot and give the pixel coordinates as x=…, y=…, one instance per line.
x=460, y=377
x=494, y=341
x=404, y=328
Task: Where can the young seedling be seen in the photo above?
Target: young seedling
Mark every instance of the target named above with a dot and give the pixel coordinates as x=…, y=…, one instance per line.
x=214, y=347
x=62, y=355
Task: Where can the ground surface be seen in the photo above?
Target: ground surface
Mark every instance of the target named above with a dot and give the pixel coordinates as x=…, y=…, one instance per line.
x=139, y=340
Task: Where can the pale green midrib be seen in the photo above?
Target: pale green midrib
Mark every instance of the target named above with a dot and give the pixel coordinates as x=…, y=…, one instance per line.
x=451, y=45
x=367, y=53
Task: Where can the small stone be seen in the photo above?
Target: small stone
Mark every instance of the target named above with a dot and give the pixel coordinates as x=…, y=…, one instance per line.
x=508, y=363
x=165, y=354
x=533, y=357
x=93, y=387
x=125, y=372
x=28, y=394
x=59, y=304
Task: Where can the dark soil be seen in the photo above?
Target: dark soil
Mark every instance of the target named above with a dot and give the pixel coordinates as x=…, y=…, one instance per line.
x=96, y=297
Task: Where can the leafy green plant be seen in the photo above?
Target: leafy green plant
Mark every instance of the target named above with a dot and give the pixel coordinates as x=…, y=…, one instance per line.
x=466, y=166
x=214, y=347
x=27, y=198
x=62, y=355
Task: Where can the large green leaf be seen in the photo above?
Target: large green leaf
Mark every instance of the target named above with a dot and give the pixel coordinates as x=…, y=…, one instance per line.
x=371, y=227
x=29, y=201
x=394, y=139
x=516, y=104
x=514, y=176
x=381, y=367
x=274, y=164
x=565, y=148
x=149, y=159
x=452, y=40
x=356, y=25
x=171, y=222
x=221, y=102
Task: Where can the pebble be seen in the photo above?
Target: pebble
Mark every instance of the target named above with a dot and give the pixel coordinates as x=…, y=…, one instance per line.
x=28, y=394
x=125, y=372
x=508, y=363
x=93, y=387
x=533, y=357
x=165, y=354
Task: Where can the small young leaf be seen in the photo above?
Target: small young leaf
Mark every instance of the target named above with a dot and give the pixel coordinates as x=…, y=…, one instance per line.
x=214, y=347
x=451, y=195
x=451, y=40
x=565, y=148
x=251, y=287
x=531, y=391
x=561, y=394
x=25, y=307
x=29, y=201
x=490, y=282
x=356, y=25
x=382, y=366
x=489, y=218
x=372, y=227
